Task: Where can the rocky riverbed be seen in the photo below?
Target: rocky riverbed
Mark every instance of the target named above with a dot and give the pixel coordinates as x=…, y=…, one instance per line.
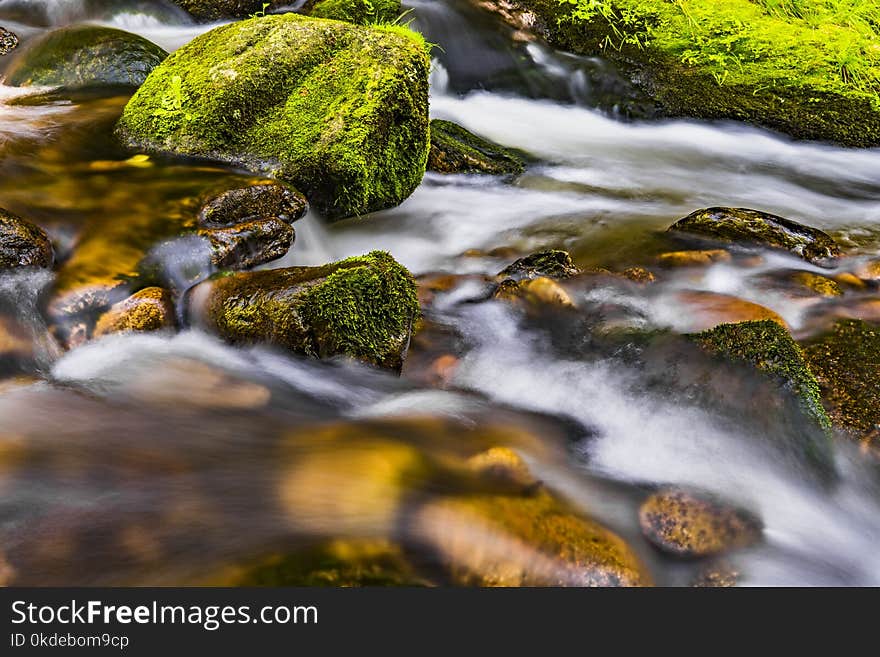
x=362, y=293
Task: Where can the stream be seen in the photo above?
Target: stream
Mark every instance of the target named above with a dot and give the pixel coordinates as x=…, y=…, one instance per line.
x=155, y=460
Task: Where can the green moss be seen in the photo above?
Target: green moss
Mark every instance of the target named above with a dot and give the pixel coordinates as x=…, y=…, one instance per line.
x=362, y=12
x=363, y=307
x=340, y=111
x=217, y=9
x=810, y=68
x=846, y=362
x=768, y=347
x=85, y=56
x=456, y=150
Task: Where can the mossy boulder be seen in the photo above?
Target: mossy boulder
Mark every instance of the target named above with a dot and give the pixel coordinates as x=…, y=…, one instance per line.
x=688, y=524
x=8, y=41
x=456, y=150
x=772, y=352
x=338, y=110
x=752, y=227
x=362, y=307
x=362, y=12
x=262, y=200
x=846, y=362
x=22, y=244
x=150, y=309
x=85, y=56
x=808, y=72
x=551, y=263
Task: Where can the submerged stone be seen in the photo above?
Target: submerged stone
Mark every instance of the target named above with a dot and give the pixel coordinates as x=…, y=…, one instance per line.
x=523, y=540
x=151, y=309
x=8, y=41
x=362, y=307
x=457, y=150
x=362, y=12
x=22, y=244
x=687, y=524
x=85, y=56
x=701, y=258
x=752, y=227
x=340, y=111
x=846, y=362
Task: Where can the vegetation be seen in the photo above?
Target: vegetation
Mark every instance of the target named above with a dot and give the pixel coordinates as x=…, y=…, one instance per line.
x=362, y=12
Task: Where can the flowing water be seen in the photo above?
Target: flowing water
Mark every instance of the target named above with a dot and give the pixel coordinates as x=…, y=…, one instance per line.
x=159, y=459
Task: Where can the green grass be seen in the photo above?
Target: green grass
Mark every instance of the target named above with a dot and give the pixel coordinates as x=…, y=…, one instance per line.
x=827, y=45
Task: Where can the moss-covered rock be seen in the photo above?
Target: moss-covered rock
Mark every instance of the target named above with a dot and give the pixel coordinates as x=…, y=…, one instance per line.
x=523, y=540
x=212, y=10
x=361, y=307
x=263, y=200
x=846, y=362
x=8, y=41
x=338, y=110
x=151, y=309
x=456, y=150
x=770, y=349
x=362, y=12
x=739, y=225
x=551, y=263
x=85, y=56
x=687, y=524
x=22, y=244
x=810, y=73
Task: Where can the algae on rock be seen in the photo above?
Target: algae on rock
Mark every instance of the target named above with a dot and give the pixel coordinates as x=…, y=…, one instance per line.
x=362, y=12
x=338, y=110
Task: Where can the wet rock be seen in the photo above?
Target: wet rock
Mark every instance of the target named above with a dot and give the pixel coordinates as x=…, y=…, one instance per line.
x=345, y=563
x=85, y=56
x=503, y=465
x=262, y=200
x=850, y=281
x=638, y=275
x=523, y=540
x=212, y=10
x=846, y=362
x=716, y=575
x=535, y=291
x=456, y=150
x=338, y=110
x=249, y=244
x=705, y=310
x=869, y=271
x=551, y=264
x=770, y=350
x=16, y=347
x=702, y=258
x=362, y=12
x=22, y=244
x=8, y=41
x=821, y=285
x=687, y=524
x=151, y=309
x=362, y=307
x=742, y=226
